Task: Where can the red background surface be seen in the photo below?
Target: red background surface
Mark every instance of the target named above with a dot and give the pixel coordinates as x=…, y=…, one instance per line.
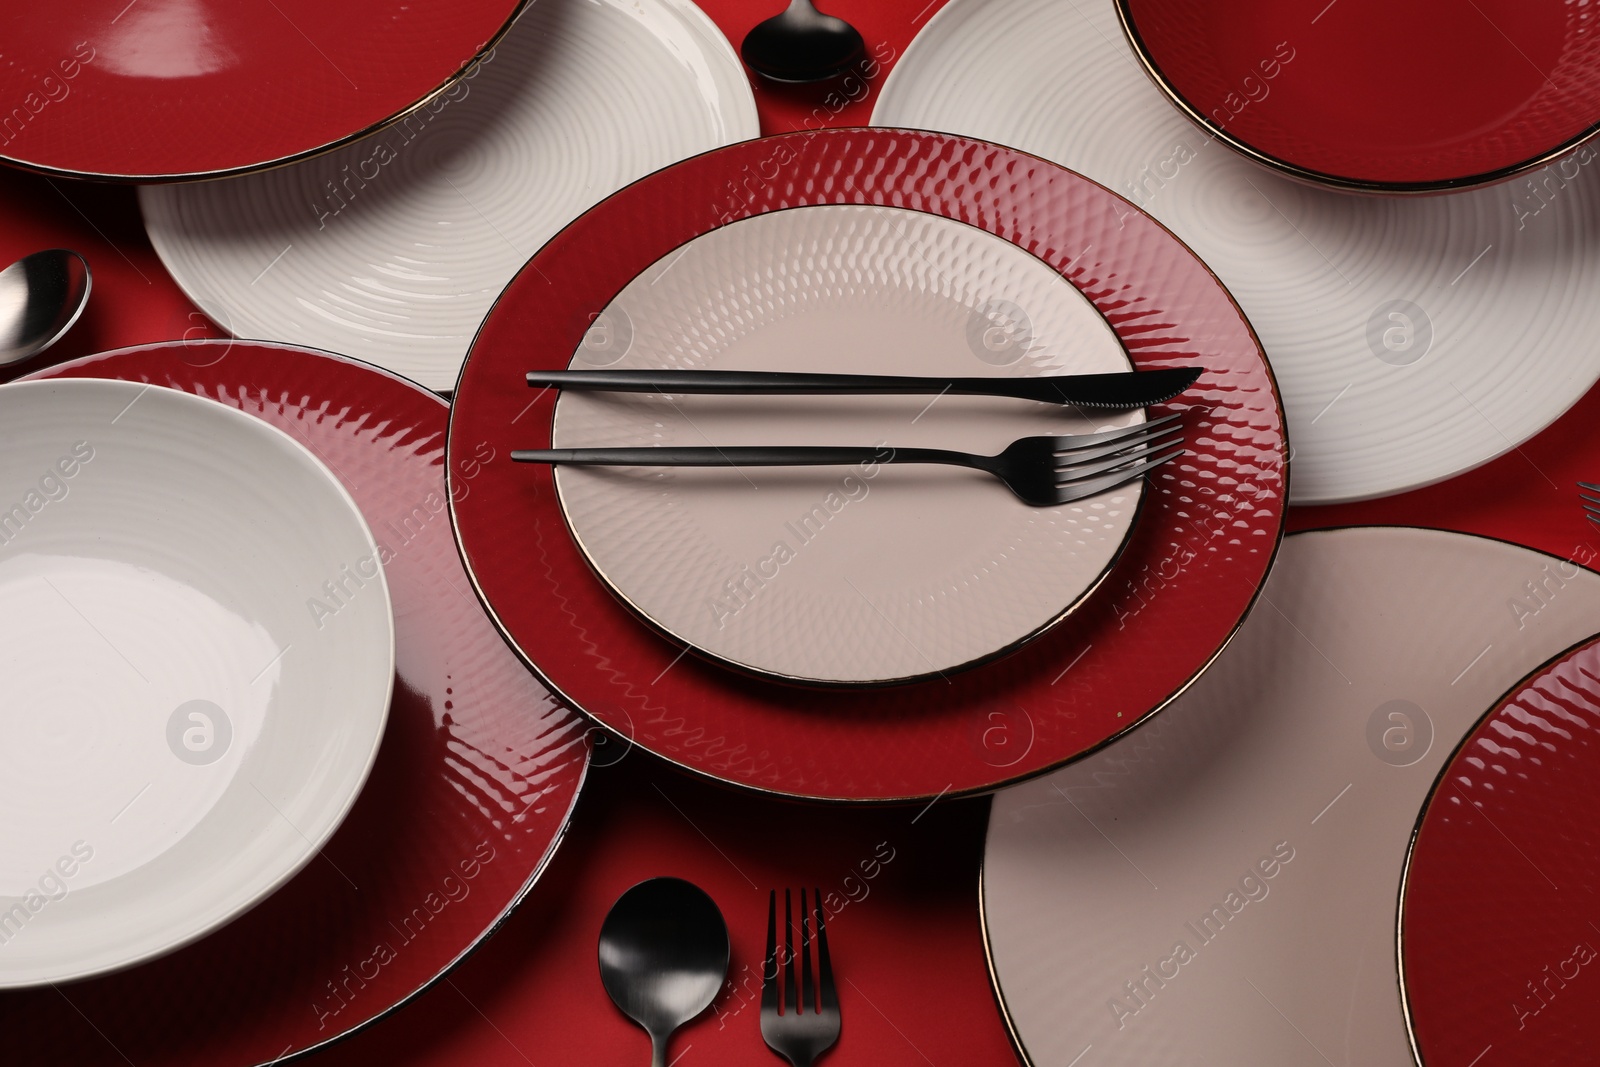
x=909, y=952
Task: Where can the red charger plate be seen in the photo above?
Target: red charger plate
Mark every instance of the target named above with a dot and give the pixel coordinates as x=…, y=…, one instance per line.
x=471, y=792
x=155, y=90
x=1210, y=525
x=1372, y=96
x=1499, y=942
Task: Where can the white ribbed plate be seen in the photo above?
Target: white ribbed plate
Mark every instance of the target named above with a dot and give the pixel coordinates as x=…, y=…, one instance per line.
x=392, y=248
x=1412, y=338
x=1221, y=886
x=795, y=571
x=196, y=655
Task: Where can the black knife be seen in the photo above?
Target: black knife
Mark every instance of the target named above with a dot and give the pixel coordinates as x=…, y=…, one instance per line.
x=1127, y=389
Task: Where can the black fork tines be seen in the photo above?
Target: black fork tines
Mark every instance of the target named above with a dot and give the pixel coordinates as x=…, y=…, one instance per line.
x=790, y=993
x=815, y=989
x=799, y=1020
x=808, y=991
x=793, y=996
x=1591, y=500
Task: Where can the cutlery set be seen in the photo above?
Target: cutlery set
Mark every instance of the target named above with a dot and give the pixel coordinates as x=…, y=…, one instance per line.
x=1041, y=471
x=664, y=956
x=210, y=676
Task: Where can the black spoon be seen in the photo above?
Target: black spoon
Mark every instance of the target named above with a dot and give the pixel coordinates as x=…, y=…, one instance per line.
x=802, y=45
x=663, y=956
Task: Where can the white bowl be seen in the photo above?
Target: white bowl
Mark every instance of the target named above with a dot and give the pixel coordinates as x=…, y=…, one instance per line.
x=196, y=658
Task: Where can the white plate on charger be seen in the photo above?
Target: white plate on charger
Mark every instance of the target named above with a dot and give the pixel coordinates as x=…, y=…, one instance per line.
x=1222, y=885
x=795, y=572
x=1412, y=338
x=392, y=248
x=197, y=650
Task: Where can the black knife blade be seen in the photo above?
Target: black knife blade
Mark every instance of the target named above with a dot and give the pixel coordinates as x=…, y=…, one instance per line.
x=1126, y=389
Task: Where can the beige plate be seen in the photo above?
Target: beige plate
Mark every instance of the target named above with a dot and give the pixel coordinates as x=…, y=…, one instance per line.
x=1220, y=886
x=852, y=575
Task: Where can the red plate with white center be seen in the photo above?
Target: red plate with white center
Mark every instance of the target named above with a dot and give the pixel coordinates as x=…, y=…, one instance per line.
x=1208, y=531
x=1380, y=97
x=471, y=791
x=156, y=90
x=1499, y=943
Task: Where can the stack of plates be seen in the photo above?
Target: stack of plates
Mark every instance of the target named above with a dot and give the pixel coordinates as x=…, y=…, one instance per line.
x=1225, y=880
x=1414, y=337
x=204, y=669
x=770, y=608
x=263, y=736
x=187, y=734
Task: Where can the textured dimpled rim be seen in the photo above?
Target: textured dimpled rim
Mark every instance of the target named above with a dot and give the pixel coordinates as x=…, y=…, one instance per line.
x=1445, y=771
x=313, y=846
x=433, y=94
x=1340, y=182
x=583, y=772
x=751, y=670
x=904, y=136
x=983, y=910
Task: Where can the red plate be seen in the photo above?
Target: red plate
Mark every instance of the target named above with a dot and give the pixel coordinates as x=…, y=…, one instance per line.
x=1377, y=96
x=159, y=89
x=1499, y=934
x=1210, y=524
x=478, y=771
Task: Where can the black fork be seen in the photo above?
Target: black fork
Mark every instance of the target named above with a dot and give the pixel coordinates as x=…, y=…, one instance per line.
x=1591, y=501
x=801, y=1022
x=1041, y=471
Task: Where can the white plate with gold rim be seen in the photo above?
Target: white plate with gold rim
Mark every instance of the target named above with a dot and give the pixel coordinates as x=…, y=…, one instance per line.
x=392, y=248
x=1413, y=338
x=1222, y=884
x=198, y=652
x=794, y=572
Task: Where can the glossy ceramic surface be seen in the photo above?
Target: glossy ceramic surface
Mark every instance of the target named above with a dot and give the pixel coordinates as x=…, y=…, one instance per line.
x=1207, y=532
x=1497, y=917
x=855, y=574
x=471, y=790
x=1413, y=338
x=392, y=248
x=1221, y=886
x=1335, y=95
x=161, y=89
x=184, y=730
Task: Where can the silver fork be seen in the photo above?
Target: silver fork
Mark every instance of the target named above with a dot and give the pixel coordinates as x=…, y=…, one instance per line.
x=807, y=1025
x=1042, y=471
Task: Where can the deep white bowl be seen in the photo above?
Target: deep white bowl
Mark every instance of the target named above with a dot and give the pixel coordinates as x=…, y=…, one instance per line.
x=196, y=658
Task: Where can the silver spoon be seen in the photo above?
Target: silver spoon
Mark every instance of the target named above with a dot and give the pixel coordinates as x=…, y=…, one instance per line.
x=41, y=296
x=663, y=956
x=802, y=45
